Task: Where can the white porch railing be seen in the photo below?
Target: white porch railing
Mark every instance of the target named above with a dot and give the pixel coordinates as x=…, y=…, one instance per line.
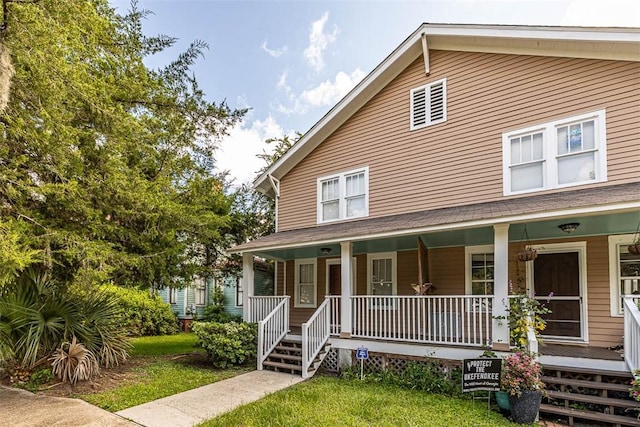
x=457, y=320
x=273, y=328
x=261, y=307
x=334, y=314
x=632, y=333
x=315, y=333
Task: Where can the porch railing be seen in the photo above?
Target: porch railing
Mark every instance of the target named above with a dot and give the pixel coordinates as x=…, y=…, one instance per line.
x=334, y=314
x=272, y=329
x=261, y=307
x=458, y=320
x=632, y=333
x=315, y=333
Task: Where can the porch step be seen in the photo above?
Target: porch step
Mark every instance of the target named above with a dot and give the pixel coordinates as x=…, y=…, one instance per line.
x=589, y=394
x=287, y=357
x=283, y=367
x=589, y=415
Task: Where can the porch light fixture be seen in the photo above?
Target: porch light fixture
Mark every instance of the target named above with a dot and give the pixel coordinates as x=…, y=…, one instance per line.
x=569, y=227
x=325, y=251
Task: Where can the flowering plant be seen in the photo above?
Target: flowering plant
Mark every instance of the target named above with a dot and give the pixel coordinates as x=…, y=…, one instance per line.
x=634, y=391
x=521, y=372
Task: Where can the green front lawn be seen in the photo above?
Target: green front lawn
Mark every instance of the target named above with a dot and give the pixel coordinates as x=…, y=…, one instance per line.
x=163, y=366
x=336, y=402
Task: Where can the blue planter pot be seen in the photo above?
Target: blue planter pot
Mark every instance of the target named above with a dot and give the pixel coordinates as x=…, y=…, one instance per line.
x=524, y=409
x=502, y=399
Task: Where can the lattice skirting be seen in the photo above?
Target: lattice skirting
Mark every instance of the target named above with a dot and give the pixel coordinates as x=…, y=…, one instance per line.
x=397, y=363
x=330, y=362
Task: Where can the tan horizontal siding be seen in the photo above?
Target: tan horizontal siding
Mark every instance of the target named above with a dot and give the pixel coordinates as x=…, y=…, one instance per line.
x=460, y=161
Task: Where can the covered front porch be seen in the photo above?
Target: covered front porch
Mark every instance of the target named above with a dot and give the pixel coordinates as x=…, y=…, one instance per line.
x=358, y=280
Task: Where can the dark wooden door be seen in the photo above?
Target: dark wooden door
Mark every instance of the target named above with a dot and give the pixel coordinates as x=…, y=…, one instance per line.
x=335, y=279
x=556, y=279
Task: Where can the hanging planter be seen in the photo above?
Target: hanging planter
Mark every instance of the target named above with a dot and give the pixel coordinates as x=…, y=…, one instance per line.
x=527, y=253
x=634, y=248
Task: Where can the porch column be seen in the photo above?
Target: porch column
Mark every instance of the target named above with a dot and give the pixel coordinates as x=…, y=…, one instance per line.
x=346, y=253
x=247, y=284
x=500, y=287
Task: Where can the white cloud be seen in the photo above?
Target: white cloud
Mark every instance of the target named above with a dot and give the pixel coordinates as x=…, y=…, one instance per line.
x=237, y=152
x=282, y=82
x=329, y=92
x=319, y=40
x=613, y=13
x=275, y=53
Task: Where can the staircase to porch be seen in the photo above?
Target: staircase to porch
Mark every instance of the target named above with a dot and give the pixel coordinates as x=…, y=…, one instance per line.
x=287, y=357
x=586, y=394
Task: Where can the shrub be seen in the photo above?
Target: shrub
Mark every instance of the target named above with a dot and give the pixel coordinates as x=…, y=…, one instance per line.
x=216, y=313
x=427, y=376
x=227, y=343
x=143, y=313
x=73, y=362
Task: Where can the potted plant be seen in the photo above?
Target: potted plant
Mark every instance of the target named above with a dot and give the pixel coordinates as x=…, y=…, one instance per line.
x=522, y=381
x=527, y=253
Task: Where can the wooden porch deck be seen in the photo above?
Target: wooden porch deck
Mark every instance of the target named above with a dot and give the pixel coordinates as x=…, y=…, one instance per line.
x=562, y=350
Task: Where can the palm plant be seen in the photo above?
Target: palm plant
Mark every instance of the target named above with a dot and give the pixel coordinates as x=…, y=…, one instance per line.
x=38, y=315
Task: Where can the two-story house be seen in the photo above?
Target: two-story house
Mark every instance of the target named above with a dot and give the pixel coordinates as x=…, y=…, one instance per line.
x=467, y=143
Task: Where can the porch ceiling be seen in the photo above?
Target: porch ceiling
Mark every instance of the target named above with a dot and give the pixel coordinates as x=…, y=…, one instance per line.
x=600, y=211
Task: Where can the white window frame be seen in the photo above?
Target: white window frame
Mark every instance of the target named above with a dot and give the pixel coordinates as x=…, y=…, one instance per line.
x=298, y=262
x=239, y=292
x=394, y=270
x=428, y=121
x=550, y=155
x=342, y=199
x=200, y=292
x=614, y=271
x=468, y=271
x=173, y=296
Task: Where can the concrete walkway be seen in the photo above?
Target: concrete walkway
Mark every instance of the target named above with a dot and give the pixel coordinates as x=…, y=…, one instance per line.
x=194, y=406
x=20, y=408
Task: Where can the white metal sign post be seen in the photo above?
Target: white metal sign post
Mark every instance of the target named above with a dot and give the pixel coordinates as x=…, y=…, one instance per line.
x=362, y=353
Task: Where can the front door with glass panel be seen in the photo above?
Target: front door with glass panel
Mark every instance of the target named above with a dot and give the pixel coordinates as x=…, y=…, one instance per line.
x=557, y=285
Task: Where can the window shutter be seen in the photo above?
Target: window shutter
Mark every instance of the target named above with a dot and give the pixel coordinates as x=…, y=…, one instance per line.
x=419, y=108
x=437, y=101
x=428, y=104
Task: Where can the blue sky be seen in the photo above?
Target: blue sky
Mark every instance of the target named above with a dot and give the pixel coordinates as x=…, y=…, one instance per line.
x=291, y=61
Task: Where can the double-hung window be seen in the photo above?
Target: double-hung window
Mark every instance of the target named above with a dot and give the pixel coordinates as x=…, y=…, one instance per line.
x=428, y=104
x=557, y=154
x=382, y=274
x=479, y=270
x=173, y=295
x=624, y=271
x=201, y=292
x=305, y=283
x=343, y=196
x=239, y=292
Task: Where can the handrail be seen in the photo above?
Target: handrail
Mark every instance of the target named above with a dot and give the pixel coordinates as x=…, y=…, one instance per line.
x=632, y=332
x=464, y=320
x=261, y=306
x=272, y=329
x=334, y=314
x=315, y=333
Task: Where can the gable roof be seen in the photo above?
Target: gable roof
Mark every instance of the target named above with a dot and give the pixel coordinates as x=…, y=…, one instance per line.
x=577, y=42
x=590, y=201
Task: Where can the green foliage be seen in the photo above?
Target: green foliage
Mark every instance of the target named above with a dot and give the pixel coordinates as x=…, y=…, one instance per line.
x=428, y=376
x=143, y=313
x=634, y=391
x=107, y=169
x=216, y=313
x=227, y=343
x=525, y=313
x=37, y=315
x=37, y=378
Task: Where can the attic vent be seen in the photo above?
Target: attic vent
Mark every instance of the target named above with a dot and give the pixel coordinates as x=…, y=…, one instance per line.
x=428, y=104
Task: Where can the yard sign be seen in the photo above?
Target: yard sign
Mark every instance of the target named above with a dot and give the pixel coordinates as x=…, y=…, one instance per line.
x=362, y=353
x=481, y=374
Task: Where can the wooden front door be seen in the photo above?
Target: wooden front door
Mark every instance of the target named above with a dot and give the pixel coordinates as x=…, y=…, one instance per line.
x=556, y=280
x=335, y=279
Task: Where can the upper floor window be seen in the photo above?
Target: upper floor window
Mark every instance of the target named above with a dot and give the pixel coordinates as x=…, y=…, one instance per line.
x=429, y=104
x=343, y=196
x=555, y=154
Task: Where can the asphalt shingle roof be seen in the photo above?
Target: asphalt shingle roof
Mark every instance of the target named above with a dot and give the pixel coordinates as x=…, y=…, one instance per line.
x=526, y=205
